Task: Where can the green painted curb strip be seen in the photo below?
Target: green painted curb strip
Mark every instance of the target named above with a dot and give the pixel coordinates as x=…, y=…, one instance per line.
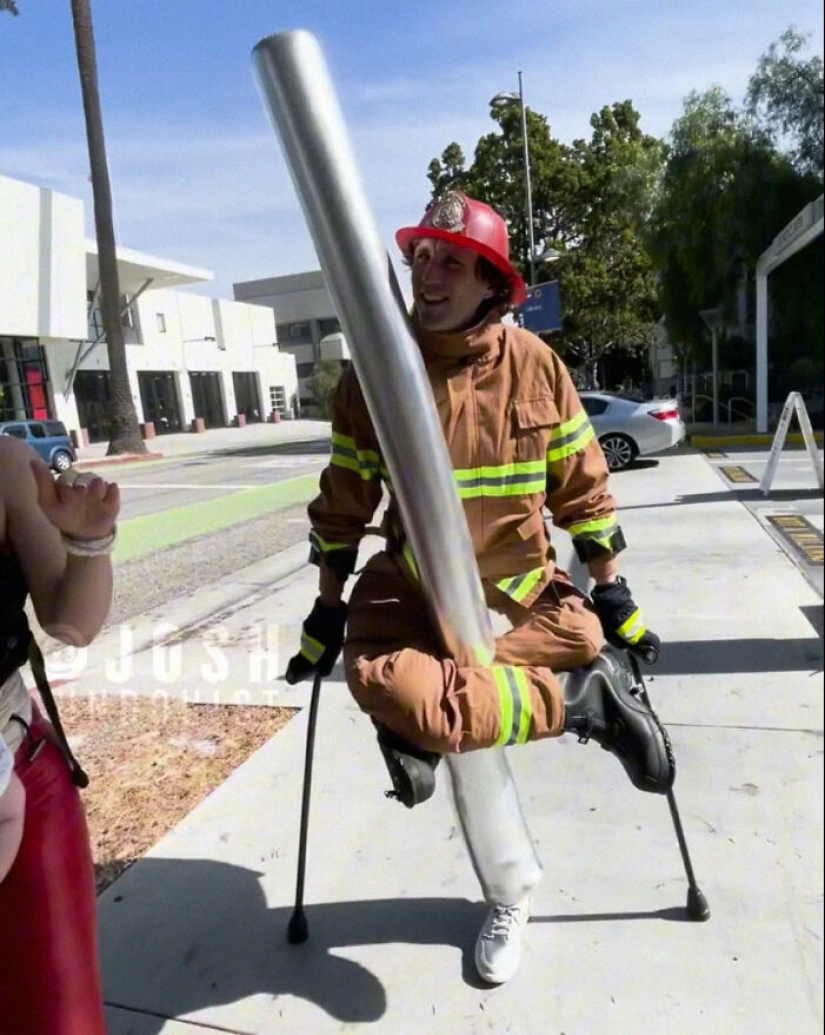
x=143, y=535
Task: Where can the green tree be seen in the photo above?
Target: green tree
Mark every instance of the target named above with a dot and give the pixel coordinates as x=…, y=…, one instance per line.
x=497, y=177
x=725, y=193
x=125, y=432
x=609, y=292
x=323, y=381
x=786, y=95
x=591, y=201
x=449, y=171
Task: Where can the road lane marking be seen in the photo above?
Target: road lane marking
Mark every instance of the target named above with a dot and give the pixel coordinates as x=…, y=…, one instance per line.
x=183, y=485
x=140, y=536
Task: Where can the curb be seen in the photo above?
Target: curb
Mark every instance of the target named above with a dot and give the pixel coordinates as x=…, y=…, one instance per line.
x=192, y=611
x=715, y=441
x=121, y=458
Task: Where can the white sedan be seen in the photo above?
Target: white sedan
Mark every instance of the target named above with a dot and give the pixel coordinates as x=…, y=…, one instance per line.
x=627, y=428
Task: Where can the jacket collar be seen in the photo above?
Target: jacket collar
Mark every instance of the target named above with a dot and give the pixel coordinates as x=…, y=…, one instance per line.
x=475, y=343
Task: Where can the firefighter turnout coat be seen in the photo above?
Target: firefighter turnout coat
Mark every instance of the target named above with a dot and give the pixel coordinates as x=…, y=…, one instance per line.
x=519, y=440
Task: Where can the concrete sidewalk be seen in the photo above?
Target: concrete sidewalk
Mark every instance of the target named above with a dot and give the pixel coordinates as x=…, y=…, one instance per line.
x=193, y=935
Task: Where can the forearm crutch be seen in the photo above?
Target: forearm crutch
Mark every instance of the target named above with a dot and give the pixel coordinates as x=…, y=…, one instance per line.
x=697, y=906
x=298, y=931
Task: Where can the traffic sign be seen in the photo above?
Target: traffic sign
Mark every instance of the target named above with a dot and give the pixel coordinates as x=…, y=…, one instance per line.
x=542, y=310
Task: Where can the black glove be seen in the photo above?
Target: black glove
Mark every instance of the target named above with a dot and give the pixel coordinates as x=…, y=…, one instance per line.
x=622, y=620
x=322, y=637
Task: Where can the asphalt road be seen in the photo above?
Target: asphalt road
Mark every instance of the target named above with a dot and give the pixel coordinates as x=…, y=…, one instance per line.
x=189, y=520
x=149, y=488
x=192, y=520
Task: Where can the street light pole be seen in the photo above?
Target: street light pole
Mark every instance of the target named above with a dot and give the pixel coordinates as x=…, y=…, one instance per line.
x=500, y=100
x=713, y=321
x=528, y=189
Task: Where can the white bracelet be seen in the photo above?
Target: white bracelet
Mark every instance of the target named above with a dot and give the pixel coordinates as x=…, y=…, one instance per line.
x=89, y=547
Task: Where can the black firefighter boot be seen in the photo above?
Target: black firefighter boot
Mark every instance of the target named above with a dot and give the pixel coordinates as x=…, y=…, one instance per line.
x=411, y=770
x=603, y=701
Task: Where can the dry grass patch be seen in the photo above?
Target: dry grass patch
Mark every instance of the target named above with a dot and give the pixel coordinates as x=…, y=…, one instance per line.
x=151, y=762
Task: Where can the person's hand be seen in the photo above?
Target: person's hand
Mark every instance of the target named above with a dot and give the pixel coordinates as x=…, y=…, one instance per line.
x=622, y=620
x=322, y=638
x=78, y=504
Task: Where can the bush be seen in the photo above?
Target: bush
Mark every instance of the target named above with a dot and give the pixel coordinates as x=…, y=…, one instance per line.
x=323, y=381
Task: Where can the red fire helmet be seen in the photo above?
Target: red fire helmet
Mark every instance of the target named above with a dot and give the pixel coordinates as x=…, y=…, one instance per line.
x=469, y=224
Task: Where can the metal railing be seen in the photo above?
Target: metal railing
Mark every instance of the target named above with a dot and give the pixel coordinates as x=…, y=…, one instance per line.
x=740, y=413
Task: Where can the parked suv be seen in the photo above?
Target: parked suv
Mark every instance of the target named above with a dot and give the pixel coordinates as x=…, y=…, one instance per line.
x=48, y=438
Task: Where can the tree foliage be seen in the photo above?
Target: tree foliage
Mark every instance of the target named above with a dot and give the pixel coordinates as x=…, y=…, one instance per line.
x=609, y=287
x=786, y=95
x=591, y=201
x=323, y=381
x=725, y=193
x=8, y=5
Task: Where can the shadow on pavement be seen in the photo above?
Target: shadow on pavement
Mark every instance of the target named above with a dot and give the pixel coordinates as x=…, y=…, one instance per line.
x=179, y=936
x=816, y=617
x=674, y=914
x=306, y=447
x=742, y=495
x=705, y=657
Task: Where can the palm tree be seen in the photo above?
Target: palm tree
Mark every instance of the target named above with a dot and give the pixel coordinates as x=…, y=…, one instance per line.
x=125, y=434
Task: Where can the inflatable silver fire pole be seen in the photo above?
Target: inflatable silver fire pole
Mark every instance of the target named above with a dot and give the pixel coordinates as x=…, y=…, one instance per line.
x=300, y=100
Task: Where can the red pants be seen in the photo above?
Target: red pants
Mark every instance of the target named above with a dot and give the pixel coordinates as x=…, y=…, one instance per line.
x=49, y=975
x=397, y=672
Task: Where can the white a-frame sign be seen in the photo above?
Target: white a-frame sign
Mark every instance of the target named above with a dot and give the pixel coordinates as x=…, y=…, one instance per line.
x=793, y=404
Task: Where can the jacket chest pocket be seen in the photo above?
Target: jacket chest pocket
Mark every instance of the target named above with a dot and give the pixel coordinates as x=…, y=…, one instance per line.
x=533, y=419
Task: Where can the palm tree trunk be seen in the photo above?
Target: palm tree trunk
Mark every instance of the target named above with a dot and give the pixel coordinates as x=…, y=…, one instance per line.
x=125, y=434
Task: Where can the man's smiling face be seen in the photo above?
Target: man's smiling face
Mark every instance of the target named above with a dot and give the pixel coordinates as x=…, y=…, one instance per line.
x=447, y=290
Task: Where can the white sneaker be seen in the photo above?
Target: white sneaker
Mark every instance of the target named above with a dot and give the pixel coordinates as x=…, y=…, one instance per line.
x=498, y=948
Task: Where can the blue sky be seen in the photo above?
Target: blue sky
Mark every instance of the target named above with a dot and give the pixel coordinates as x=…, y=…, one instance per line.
x=197, y=171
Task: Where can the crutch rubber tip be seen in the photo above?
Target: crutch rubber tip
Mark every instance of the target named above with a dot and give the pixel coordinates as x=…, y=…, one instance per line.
x=298, y=930
x=697, y=905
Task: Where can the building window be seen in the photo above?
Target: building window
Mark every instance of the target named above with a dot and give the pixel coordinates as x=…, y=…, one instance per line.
x=305, y=369
x=326, y=327
x=161, y=322
x=299, y=333
x=277, y=398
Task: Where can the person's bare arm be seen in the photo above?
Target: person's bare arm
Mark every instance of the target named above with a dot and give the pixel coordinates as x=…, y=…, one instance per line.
x=71, y=594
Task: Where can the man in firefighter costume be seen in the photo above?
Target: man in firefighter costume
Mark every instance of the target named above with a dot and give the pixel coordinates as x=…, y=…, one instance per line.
x=519, y=442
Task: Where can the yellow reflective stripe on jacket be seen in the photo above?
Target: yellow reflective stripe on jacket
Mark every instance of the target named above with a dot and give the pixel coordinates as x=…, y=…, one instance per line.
x=517, y=587
x=633, y=629
x=346, y=454
x=323, y=545
x=406, y=551
x=570, y=437
x=311, y=648
x=516, y=705
x=513, y=479
x=599, y=529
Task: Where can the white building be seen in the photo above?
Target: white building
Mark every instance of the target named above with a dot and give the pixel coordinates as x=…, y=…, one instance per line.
x=308, y=326
x=194, y=362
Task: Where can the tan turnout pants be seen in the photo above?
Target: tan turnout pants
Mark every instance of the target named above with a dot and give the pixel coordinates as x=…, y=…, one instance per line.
x=398, y=674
